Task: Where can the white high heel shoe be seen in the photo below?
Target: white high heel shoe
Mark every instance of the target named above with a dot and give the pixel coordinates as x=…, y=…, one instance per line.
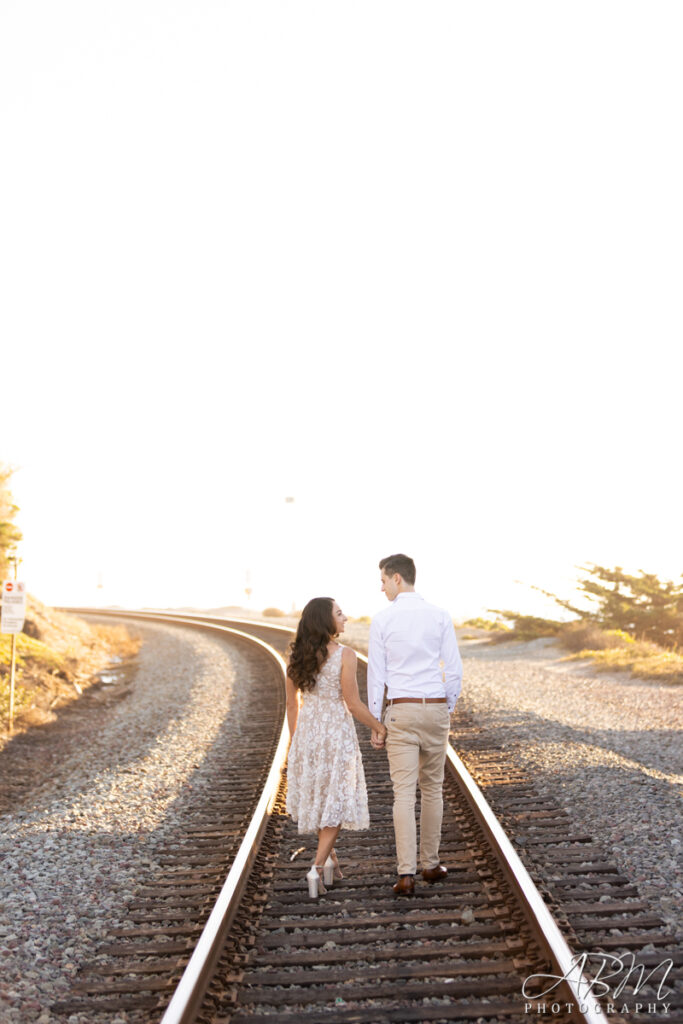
x=315, y=882
x=331, y=870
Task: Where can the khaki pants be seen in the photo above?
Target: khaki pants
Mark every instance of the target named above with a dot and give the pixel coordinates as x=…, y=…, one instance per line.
x=417, y=737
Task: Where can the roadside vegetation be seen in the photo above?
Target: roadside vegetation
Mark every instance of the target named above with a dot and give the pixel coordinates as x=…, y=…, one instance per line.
x=57, y=655
x=490, y=625
x=9, y=534
x=628, y=622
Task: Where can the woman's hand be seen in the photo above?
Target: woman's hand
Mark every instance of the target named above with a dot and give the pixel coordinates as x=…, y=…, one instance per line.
x=378, y=736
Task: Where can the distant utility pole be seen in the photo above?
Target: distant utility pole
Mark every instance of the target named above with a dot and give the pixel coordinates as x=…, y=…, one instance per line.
x=290, y=501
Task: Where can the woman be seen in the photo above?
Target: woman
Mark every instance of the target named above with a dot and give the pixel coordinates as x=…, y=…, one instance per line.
x=325, y=778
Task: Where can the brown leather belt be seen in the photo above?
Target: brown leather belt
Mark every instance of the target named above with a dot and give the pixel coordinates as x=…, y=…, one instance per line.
x=418, y=700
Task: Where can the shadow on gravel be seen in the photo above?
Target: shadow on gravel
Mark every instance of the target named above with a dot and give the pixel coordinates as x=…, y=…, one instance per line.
x=33, y=764
x=658, y=750
x=42, y=753
x=36, y=765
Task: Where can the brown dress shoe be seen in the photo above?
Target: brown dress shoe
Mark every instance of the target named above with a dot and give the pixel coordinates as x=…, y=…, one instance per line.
x=436, y=874
x=405, y=885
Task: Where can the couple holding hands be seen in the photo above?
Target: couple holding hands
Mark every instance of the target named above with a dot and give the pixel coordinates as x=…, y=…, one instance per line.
x=414, y=654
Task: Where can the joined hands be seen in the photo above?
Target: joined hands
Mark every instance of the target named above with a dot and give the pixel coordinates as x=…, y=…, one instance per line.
x=378, y=737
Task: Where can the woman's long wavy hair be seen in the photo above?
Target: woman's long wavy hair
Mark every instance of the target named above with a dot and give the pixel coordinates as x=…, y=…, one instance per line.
x=308, y=650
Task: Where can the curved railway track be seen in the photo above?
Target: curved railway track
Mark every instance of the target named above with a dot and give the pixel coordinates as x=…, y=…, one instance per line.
x=141, y=962
x=253, y=948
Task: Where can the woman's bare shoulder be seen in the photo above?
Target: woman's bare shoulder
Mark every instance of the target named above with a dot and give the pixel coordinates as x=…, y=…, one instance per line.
x=349, y=655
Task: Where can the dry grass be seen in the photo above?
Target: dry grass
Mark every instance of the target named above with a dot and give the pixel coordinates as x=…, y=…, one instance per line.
x=526, y=627
x=647, y=661
x=23, y=698
x=489, y=625
x=58, y=656
x=610, y=650
x=118, y=640
x=586, y=636
x=29, y=649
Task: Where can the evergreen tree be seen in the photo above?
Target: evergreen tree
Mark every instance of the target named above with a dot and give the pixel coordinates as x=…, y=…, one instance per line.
x=9, y=534
x=643, y=605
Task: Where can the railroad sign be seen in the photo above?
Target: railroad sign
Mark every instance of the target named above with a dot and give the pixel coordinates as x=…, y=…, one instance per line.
x=13, y=606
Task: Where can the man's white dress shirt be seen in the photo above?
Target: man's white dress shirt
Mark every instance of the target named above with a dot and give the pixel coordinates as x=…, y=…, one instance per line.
x=408, y=641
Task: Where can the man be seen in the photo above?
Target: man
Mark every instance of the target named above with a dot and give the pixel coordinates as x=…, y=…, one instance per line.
x=409, y=641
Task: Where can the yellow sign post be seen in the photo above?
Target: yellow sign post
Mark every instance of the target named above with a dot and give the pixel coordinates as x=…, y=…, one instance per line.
x=12, y=621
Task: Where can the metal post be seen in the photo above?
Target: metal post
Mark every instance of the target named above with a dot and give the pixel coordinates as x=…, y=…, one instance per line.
x=14, y=560
x=11, y=682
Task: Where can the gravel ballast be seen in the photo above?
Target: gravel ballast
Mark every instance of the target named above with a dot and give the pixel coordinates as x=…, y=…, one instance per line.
x=606, y=747
x=76, y=851
x=74, y=854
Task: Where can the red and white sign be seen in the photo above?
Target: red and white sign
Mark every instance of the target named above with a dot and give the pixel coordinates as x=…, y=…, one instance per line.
x=13, y=606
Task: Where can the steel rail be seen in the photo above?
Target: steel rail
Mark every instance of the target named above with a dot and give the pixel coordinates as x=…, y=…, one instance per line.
x=186, y=617
x=187, y=998
x=189, y=993
x=539, y=917
x=191, y=989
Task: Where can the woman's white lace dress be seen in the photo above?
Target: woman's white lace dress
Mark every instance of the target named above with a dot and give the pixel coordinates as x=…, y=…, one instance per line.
x=325, y=778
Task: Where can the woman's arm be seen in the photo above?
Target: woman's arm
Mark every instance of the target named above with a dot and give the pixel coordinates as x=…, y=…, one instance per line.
x=292, y=705
x=349, y=687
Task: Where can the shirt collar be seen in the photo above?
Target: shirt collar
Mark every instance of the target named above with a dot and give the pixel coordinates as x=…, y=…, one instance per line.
x=409, y=593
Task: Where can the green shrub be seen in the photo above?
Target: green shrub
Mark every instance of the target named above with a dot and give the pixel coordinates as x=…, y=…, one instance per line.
x=526, y=627
x=9, y=534
x=488, y=624
x=28, y=649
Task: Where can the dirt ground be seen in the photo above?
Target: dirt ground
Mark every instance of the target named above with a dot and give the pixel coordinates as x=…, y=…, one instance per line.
x=60, y=657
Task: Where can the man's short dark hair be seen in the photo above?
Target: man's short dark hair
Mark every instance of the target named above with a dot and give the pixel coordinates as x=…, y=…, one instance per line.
x=401, y=564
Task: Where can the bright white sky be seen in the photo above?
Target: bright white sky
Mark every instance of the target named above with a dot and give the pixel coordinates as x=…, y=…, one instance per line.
x=417, y=265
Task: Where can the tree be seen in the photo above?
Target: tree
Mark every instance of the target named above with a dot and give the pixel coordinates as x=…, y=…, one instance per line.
x=643, y=605
x=9, y=534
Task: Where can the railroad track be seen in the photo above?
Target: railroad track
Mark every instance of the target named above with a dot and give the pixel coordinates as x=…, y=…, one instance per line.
x=141, y=962
x=461, y=950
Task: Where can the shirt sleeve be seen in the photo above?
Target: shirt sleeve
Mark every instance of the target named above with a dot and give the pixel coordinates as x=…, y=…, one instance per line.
x=377, y=669
x=450, y=655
